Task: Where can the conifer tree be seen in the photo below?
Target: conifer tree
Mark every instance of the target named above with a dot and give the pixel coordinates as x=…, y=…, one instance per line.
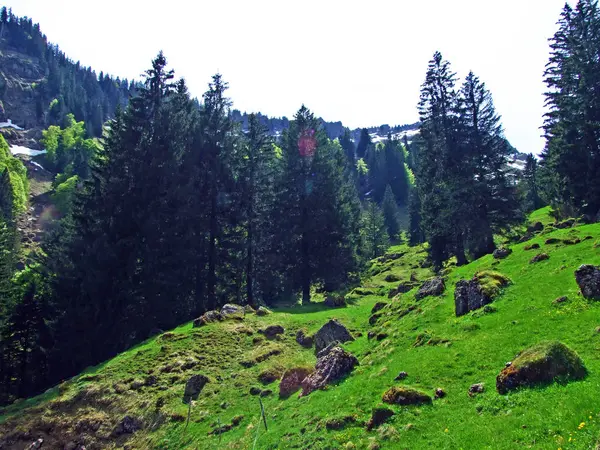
x=572, y=74
x=363, y=143
x=390, y=213
x=530, y=178
x=374, y=235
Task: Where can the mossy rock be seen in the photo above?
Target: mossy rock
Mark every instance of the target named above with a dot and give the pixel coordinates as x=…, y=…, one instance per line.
x=544, y=363
x=405, y=396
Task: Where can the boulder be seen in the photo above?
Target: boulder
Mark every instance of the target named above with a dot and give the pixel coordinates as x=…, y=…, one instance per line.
x=36, y=444
x=588, y=280
x=501, y=253
x=127, y=425
x=378, y=307
x=435, y=286
x=439, y=393
x=401, y=376
x=231, y=311
x=332, y=331
x=208, y=317
x=566, y=224
x=531, y=247
x=560, y=300
x=541, y=364
x=269, y=376
x=551, y=241
x=405, y=396
x=330, y=368
x=255, y=391
x=391, y=278
x=535, y=227
x=469, y=296
x=248, y=309
x=193, y=387
x=379, y=416
x=335, y=301
x=304, y=339
x=477, y=388
x=262, y=311
x=272, y=331
x=539, y=257
x=291, y=381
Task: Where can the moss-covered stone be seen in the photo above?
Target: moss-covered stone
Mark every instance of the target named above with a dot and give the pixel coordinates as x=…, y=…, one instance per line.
x=541, y=364
x=405, y=396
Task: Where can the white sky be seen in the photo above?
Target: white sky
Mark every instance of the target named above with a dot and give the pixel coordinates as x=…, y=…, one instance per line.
x=355, y=61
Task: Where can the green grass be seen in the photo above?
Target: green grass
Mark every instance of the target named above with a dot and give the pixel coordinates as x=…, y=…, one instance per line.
x=452, y=354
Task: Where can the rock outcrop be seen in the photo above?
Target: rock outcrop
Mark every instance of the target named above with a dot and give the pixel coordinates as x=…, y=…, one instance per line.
x=539, y=257
x=291, y=381
x=332, y=331
x=193, y=387
x=379, y=416
x=469, y=296
x=304, y=339
x=272, y=331
x=335, y=301
x=332, y=367
x=588, y=280
x=541, y=364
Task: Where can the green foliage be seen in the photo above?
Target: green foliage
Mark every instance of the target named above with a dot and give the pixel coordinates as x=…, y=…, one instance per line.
x=492, y=282
x=17, y=175
x=373, y=231
x=67, y=148
x=64, y=194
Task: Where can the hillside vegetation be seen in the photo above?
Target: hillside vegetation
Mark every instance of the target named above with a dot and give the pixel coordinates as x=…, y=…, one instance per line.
x=420, y=337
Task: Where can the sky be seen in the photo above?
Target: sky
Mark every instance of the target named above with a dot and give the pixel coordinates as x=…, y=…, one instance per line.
x=359, y=62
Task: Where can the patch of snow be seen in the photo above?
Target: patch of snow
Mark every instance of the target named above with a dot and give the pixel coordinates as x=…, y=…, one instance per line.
x=9, y=124
x=37, y=165
x=20, y=150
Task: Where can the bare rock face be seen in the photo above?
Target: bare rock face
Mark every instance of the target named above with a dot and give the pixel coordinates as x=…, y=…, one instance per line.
x=291, y=381
x=501, y=253
x=588, y=279
x=208, y=317
x=193, y=387
x=332, y=331
x=329, y=368
x=541, y=364
x=231, y=311
x=468, y=296
x=435, y=286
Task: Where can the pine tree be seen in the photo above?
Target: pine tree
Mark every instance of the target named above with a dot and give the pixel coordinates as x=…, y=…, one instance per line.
x=373, y=231
x=349, y=148
x=390, y=213
x=439, y=171
x=532, y=198
x=572, y=74
x=363, y=143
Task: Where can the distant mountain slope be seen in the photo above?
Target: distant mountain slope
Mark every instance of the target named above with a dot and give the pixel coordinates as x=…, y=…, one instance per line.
x=40, y=85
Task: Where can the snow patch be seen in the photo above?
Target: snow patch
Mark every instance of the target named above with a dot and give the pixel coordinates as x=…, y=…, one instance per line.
x=9, y=124
x=20, y=150
x=37, y=165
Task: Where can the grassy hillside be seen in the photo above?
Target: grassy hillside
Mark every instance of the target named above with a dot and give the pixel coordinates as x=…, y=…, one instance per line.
x=422, y=337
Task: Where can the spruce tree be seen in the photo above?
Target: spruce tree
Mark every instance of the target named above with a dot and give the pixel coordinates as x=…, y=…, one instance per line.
x=390, y=213
x=364, y=143
x=373, y=231
x=532, y=198
x=572, y=74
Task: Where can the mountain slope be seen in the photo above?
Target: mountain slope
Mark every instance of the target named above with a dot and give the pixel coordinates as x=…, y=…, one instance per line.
x=424, y=338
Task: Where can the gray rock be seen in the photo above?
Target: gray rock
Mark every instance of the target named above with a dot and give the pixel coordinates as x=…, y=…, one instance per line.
x=330, y=368
x=477, y=388
x=262, y=311
x=435, y=286
x=127, y=425
x=208, y=317
x=332, y=331
x=469, y=296
x=193, y=387
x=588, y=279
x=501, y=253
x=539, y=257
x=304, y=339
x=231, y=311
x=272, y=331
x=335, y=301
